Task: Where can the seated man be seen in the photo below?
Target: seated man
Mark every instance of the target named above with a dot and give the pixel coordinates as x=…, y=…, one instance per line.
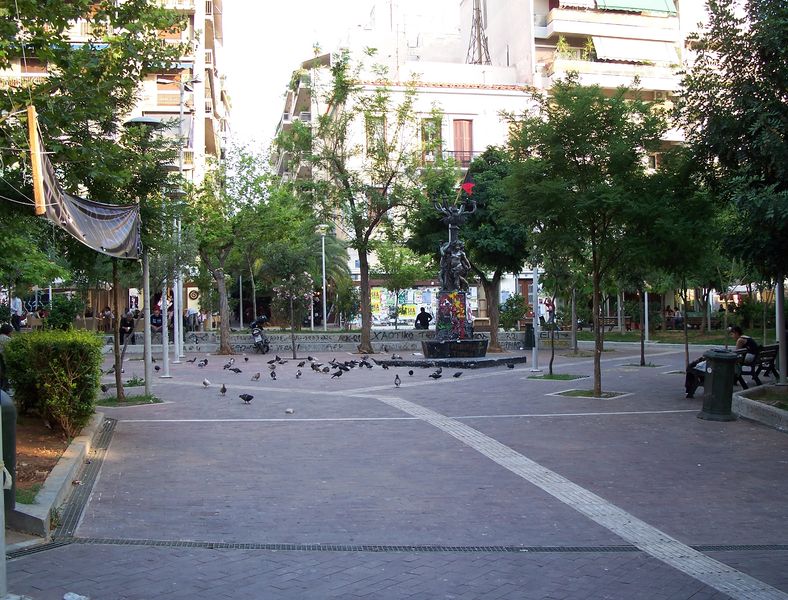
x=696, y=370
x=423, y=319
x=156, y=321
x=126, y=326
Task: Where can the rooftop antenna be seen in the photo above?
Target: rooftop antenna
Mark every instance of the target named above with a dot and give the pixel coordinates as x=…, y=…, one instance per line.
x=478, y=53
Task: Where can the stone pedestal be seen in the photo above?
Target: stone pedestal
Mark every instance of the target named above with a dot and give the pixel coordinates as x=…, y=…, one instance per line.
x=453, y=329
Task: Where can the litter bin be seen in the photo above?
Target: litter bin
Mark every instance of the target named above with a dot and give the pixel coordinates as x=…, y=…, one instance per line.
x=8, y=415
x=718, y=385
x=529, y=340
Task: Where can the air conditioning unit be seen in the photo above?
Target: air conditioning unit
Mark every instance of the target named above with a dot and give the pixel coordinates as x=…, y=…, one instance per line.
x=306, y=117
x=286, y=117
x=660, y=95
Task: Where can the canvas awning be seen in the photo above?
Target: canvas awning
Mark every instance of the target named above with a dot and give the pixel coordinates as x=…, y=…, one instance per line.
x=658, y=6
x=578, y=4
x=637, y=51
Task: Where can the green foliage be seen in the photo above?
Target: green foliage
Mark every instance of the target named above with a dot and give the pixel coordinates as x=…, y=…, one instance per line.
x=348, y=303
x=63, y=312
x=735, y=115
x=513, y=309
x=5, y=313
x=57, y=373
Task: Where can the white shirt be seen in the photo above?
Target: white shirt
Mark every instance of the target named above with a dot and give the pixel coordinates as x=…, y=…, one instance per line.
x=16, y=306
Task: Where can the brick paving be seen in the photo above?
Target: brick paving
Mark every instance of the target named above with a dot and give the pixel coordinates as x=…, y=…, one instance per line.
x=350, y=467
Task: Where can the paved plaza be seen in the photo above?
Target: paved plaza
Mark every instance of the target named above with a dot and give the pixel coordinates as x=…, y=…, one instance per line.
x=485, y=486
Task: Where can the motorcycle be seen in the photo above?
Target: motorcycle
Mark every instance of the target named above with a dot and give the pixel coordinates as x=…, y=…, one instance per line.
x=258, y=337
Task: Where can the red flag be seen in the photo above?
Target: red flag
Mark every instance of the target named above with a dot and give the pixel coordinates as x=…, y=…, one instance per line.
x=467, y=183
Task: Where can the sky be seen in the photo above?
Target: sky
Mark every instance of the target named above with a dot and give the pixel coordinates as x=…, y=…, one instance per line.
x=264, y=41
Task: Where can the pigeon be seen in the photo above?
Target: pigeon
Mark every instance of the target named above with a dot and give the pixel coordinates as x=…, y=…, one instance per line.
x=289, y=411
x=247, y=398
x=104, y=388
x=410, y=372
x=301, y=364
x=256, y=376
x=236, y=370
x=192, y=360
x=202, y=363
x=326, y=369
x=396, y=357
x=439, y=370
x=298, y=374
x=223, y=390
x=246, y=359
x=510, y=365
x=111, y=371
x=272, y=367
x=282, y=362
x=310, y=359
x=156, y=368
x=337, y=373
x=385, y=367
x=273, y=375
x=273, y=360
x=152, y=359
x=435, y=375
x=457, y=374
x=397, y=380
x=205, y=383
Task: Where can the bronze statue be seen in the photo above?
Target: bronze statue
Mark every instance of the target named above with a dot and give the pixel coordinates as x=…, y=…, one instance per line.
x=454, y=266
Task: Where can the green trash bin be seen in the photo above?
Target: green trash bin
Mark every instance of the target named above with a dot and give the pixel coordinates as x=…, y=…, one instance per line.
x=8, y=413
x=718, y=385
x=529, y=340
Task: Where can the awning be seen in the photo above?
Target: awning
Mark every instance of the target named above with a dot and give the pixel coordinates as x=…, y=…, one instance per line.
x=659, y=6
x=636, y=51
x=578, y=4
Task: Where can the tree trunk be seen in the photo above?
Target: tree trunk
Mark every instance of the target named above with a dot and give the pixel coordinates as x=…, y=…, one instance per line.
x=396, y=309
x=643, y=309
x=552, y=337
x=254, y=295
x=492, y=290
x=575, y=348
x=292, y=328
x=684, y=322
x=598, y=332
x=224, y=312
x=365, y=305
x=121, y=395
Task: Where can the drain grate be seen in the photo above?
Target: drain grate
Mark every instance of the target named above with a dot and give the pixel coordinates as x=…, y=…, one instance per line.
x=36, y=549
x=72, y=512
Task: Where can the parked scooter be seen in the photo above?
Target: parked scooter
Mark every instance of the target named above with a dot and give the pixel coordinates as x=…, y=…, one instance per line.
x=258, y=337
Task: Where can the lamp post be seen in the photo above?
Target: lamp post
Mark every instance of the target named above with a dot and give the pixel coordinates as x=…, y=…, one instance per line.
x=322, y=229
x=177, y=291
x=152, y=123
x=535, y=353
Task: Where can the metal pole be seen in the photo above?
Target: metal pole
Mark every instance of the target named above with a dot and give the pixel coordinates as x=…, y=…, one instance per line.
x=779, y=306
x=241, y=300
x=3, y=575
x=181, y=352
x=535, y=353
x=645, y=317
x=176, y=298
x=165, y=334
x=176, y=322
x=146, y=337
x=323, y=240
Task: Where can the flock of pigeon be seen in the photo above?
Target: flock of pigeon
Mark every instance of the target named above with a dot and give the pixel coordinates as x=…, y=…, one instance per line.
x=333, y=368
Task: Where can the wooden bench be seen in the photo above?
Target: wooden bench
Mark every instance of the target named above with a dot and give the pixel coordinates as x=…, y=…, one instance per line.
x=765, y=363
x=694, y=321
x=611, y=322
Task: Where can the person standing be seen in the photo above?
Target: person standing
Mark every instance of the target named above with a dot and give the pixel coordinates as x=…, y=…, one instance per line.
x=423, y=319
x=127, y=326
x=17, y=312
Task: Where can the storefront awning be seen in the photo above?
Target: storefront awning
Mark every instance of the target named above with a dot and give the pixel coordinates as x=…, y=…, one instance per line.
x=636, y=51
x=578, y=4
x=658, y=6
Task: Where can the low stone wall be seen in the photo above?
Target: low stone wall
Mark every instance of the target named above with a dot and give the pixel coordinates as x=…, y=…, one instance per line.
x=753, y=410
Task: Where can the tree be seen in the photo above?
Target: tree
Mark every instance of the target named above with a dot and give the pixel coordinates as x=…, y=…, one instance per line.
x=400, y=268
x=494, y=244
x=362, y=184
x=734, y=109
x=579, y=178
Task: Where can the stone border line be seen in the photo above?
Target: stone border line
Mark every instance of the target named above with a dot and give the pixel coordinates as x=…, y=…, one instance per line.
x=640, y=534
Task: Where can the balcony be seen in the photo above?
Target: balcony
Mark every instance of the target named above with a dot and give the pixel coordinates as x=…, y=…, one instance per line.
x=611, y=75
x=569, y=22
x=208, y=58
x=181, y=5
x=21, y=80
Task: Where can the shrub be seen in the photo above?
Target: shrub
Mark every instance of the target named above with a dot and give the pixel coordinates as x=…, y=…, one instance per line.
x=63, y=312
x=56, y=373
x=512, y=310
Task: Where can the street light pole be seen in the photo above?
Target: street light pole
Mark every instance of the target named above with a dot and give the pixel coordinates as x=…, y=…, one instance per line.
x=323, y=242
x=535, y=353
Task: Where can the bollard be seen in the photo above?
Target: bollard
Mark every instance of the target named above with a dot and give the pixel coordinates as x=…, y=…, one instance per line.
x=8, y=415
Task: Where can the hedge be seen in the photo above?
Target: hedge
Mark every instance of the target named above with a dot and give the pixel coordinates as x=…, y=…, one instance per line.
x=56, y=373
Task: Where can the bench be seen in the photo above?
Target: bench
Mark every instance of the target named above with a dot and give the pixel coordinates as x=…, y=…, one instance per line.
x=694, y=321
x=765, y=363
x=611, y=322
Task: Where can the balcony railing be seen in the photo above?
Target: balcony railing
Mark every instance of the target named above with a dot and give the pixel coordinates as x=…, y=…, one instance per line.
x=20, y=80
x=209, y=8
x=463, y=157
x=208, y=57
x=186, y=5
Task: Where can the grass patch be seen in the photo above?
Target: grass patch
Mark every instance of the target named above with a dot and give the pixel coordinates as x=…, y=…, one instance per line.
x=134, y=382
x=130, y=401
x=648, y=364
x=558, y=376
x=583, y=353
x=28, y=496
x=694, y=336
x=588, y=394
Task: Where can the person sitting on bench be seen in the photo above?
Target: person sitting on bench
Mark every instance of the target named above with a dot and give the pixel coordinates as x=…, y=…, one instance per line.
x=423, y=319
x=697, y=368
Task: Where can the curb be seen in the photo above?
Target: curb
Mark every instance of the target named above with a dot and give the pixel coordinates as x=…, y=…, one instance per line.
x=771, y=416
x=36, y=518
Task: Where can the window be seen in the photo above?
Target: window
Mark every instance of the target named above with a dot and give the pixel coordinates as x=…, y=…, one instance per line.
x=431, y=142
x=376, y=134
x=655, y=160
x=463, y=141
x=32, y=64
